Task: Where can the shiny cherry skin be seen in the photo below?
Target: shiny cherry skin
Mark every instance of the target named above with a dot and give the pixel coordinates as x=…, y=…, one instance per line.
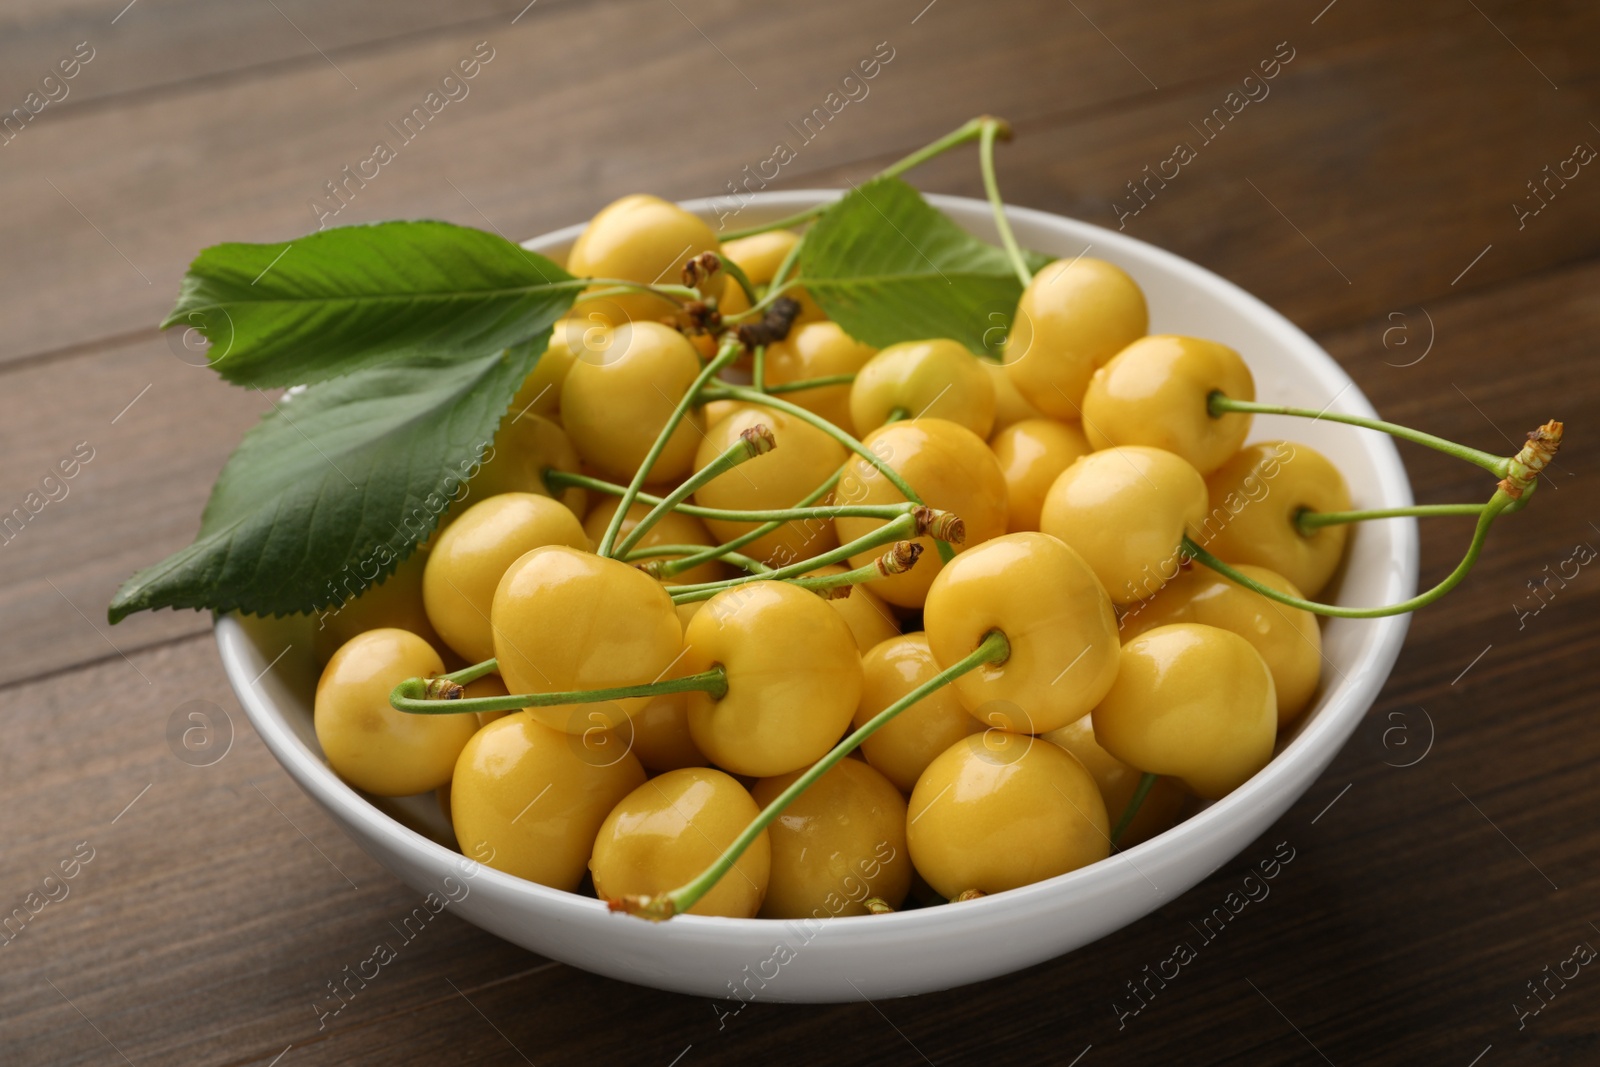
x=618, y=395
x=869, y=619
x=1155, y=391
x=1125, y=511
x=565, y=619
x=672, y=828
x=903, y=748
x=1073, y=317
x=638, y=238
x=999, y=810
x=1054, y=612
x=818, y=350
x=803, y=459
x=674, y=528
x=1255, y=499
x=1032, y=454
x=794, y=678
x=525, y=447
x=526, y=801
x=950, y=467
x=394, y=602
x=936, y=379
x=1194, y=702
x=471, y=555
x=367, y=742
x=1287, y=638
x=1118, y=782
x=660, y=734
x=839, y=843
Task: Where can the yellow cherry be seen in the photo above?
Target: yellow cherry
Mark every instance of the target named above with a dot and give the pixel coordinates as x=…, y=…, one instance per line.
x=903, y=748
x=525, y=447
x=395, y=602
x=618, y=395
x=672, y=828
x=1287, y=638
x=638, y=238
x=1125, y=511
x=1118, y=782
x=366, y=741
x=540, y=392
x=1194, y=702
x=1255, y=499
x=839, y=843
x=472, y=554
x=1009, y=405
x=565, y=620
x=661, y=736
x=804, y=458
x=937, y=379
x=674, y=528
x=999, y=810
x=1073, y=317
x=818, y=350
x=1154, y=392
x=1056, y=616
x=527, y=801
x=950, y=467
x=1032, y=454
x=794, y=678
x=869, y=619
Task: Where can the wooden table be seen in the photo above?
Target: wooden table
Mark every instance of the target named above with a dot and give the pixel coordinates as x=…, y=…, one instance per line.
x=1378, y=194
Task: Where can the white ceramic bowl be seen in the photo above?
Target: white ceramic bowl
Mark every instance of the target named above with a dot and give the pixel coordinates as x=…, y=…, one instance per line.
x=844, y=959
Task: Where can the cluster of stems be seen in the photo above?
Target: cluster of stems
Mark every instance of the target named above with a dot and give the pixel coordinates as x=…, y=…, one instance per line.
x=891, y=546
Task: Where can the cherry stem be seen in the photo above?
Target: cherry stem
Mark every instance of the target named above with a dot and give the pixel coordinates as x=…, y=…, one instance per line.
x=673, y=294
x=727, y=354
x=1497, y=503
x=901, y=557
x=993, y=649
x=1309, y=521
x=758, y=369
x=1135, y=802
x=998, y=128
x=894, y=530
x=736, y=392
x=812, y=383
x=1219, y=404
x=562, y=479
x=754, y=441
x=968, y=131
x=737, y=273
x=422, y=696
x=727, y=548
x=780, y=277
x=657, y=552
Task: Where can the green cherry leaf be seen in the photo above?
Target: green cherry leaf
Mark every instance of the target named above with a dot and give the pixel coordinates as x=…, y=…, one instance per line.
x=352, y=297
x=336, y=485
x=888, y=267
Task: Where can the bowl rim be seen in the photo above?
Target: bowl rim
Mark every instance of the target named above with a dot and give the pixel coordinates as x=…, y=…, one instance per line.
x=1319, y=739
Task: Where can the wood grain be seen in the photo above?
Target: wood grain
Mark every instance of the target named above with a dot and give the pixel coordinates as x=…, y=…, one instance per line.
x=1421, y=899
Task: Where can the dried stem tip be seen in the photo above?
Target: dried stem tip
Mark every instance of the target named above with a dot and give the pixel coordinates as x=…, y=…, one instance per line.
x=773, y=326
x=901, y=557
x=758, y=440
x=1529, y=463
x=702, y=266
x=655, y=909
x=967, y=894
x=940, y=525
x=877, y=906
x=652, y=567
x=443, y=689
